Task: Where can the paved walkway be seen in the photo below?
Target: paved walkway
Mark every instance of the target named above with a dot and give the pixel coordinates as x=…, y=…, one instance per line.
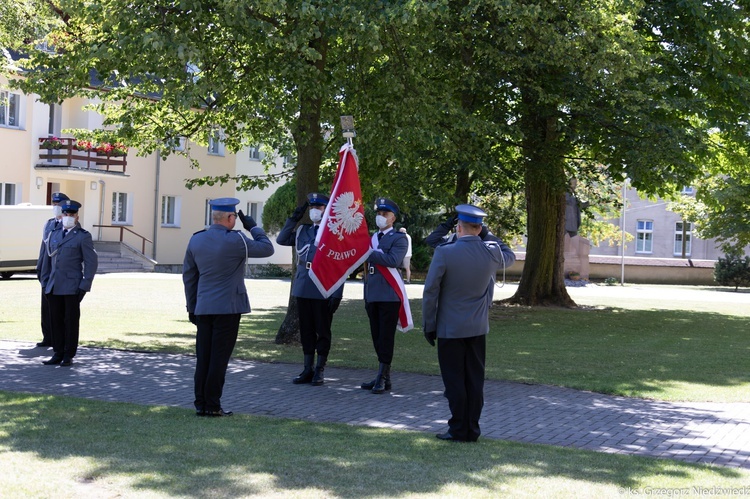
x=694, y=432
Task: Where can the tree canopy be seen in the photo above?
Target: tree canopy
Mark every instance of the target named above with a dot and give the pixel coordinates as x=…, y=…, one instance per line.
x=455, y=100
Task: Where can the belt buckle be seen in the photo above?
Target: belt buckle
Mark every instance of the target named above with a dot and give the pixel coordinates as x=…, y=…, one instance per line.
x=371, y=270
x=308, y=265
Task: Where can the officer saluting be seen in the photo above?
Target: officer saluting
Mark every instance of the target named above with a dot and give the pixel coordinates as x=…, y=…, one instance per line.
x=455, y=307
x=315, y=311
x=69, y=264
x=214, y=278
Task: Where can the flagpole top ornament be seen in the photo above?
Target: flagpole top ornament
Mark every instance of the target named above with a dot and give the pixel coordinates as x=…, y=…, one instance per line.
x=347, y=128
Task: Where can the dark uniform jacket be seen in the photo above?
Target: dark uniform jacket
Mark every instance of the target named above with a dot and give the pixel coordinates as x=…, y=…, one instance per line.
x=304, y=236
x=393, y=246
x=69, y=263
x=213, y=271
x=459, y=286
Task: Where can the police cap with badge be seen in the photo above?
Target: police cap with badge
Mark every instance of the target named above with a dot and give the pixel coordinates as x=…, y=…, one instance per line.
x=70, y=206
x=385, y=204
x=317, y=199
x=58, y=197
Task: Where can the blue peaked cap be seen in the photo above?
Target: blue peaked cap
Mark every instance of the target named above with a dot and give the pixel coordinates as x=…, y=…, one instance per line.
x=385, y=204
x=58, y=197
x=70, y=206
x=316, y=198
x=470, y=213
x=224, y=204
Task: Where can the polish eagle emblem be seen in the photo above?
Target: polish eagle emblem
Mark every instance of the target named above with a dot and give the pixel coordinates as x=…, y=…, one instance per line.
x=345, y=217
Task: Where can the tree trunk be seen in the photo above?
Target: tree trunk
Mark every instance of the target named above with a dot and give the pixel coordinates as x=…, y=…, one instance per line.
x=309, y=142
x=543, y=280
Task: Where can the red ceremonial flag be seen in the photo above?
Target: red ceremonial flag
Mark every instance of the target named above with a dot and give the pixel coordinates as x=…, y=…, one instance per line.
x=343, y=240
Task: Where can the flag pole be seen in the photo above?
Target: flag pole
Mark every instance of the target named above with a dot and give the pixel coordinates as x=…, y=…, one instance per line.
x=347, y=129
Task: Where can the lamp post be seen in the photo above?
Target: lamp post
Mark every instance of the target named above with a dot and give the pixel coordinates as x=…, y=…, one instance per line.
x=347, y=128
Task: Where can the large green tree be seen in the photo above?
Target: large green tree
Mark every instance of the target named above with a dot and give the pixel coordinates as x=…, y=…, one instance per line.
x=544, y=91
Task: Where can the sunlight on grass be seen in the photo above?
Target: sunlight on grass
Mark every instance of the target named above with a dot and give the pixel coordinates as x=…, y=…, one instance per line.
x=663, y=342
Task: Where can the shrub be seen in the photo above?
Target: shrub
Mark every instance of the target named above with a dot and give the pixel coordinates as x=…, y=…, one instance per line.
x=733, y=270
x=611, y=281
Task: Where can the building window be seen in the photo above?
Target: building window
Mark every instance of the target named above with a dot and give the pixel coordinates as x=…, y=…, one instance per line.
x=688, y=190
x=644, y=242
x=8, y=193
x=255, y=153
x=170, y=211
x=207, y=215
x=177, y=143
x=215, y=145
x=121, y=208
x=255, y=210
x=678, y=228
x=10, y=109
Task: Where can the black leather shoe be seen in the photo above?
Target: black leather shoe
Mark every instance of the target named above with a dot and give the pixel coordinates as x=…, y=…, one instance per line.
x=447, y=436
x=200, y=413
x=53, y=361
x=218, y=414
x=44, y=344
x=66, y=361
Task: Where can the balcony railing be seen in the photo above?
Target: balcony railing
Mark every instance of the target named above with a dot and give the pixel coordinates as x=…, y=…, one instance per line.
x=64, y=153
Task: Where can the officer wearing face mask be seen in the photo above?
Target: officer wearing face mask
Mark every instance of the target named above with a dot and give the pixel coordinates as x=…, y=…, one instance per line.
x=315, y=311
x=49, y=226
x=69, y=264
x=382, y=301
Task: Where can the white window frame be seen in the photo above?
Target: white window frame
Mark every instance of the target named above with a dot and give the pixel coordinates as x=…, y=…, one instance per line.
x=11, y=109
x=9, y=193
x=207, y=221
x=122, y=215
x=179, y=144
x=215, y=145
x=171, y=207
x=688, y=190
x=255, y=210
x=678, y=239
x=644, y=239
x=255, y=154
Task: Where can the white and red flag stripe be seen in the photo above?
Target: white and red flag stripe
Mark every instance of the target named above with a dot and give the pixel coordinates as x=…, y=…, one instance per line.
x=343, y=241
x=405, y=321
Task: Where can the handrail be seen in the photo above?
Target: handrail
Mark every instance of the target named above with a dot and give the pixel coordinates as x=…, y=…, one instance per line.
x=66, y=149
x=122, y=229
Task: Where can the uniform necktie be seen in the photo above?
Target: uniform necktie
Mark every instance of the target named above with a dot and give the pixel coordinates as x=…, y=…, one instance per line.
x=65, y=232
x=380, y=236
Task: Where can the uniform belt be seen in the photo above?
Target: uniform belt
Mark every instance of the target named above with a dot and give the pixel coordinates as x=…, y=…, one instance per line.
x=371, y=269
x=308, y=265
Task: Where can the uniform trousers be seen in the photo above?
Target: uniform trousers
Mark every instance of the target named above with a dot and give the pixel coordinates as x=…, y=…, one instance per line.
x=214, y=343
x=383, y=317
x=315, y=318
x=462, y=368
x=65, y=315
x=46, y=321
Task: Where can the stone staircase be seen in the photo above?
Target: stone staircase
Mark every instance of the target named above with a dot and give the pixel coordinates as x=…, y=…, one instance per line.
x=119, y=257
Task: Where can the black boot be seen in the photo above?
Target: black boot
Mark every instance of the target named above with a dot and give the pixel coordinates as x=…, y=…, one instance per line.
x=319, y=368
x=306, y=375
x=383, y=379
x=369, y=385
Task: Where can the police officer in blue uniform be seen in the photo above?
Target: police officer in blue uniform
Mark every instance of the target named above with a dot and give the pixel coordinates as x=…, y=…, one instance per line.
x=455, y=309
x=381, y=301
x=49, y=226
x=214, y=278
x=69, y=264
x=315, y=311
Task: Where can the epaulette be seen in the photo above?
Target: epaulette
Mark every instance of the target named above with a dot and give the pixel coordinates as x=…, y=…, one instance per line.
x=446, y=243
x=490, y=244
x=204, y=230
x=83, y=230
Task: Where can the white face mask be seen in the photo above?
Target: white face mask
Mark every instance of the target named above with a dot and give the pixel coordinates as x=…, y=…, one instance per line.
x=381, y=222
x=316, y=215
x=57, y=211
x=69, y=222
